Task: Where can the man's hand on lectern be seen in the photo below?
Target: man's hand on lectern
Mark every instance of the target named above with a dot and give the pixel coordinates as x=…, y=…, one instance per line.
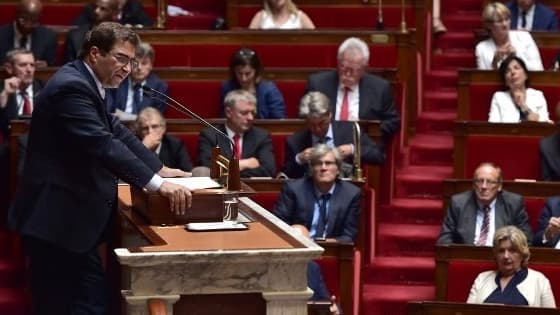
x=180, y=197
x=173, y=172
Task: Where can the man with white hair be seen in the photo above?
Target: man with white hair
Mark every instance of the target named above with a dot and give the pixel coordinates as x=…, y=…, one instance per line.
x=355, y=94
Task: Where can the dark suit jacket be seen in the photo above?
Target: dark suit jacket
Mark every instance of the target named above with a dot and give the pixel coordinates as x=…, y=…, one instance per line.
x=550, y=209
x=270, y=102
x=133, y=13
x=76, y=151
x=549, y=148
x=174, y=154
x=342, y=134
x=43, y=43
x=544, y=19
x=296, y=203
x=460, y=220
x=10, y=112
x=117, y=97
x=376, y=98
x=257, y=143
x=73, y=43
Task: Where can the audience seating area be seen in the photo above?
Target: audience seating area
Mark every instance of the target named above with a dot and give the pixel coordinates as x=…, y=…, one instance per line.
x=426, y=308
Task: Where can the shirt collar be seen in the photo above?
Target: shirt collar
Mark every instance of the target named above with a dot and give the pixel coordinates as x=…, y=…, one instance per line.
x=100, y=87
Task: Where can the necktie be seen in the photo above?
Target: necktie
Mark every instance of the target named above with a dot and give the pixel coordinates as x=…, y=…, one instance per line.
x=237, y=146
x=485, y=228
x=137, y=97
x=344, y=106
x=322, y=222
x=23, y=42
x=523, y=19
x=26, y=103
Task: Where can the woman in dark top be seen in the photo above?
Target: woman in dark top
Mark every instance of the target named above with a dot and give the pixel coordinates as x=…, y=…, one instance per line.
x=246, y=73
x=513, y=282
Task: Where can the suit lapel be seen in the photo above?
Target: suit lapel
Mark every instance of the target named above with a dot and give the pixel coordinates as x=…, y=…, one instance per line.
x=333, y=209
x=499, y=214
x=310, y=202
x=223, y=143
x=470, y=220
x=249, y=144
x=101, y=103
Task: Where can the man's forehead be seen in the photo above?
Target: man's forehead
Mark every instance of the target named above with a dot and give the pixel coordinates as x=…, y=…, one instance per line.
x=486, y=171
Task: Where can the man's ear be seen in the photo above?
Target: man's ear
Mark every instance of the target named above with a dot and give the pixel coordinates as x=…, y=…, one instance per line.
x=8, y=68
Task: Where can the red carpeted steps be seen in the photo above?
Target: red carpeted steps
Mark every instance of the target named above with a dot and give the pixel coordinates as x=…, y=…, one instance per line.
x=407, y=228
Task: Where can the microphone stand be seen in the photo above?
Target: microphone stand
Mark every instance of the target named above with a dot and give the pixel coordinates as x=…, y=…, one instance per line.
x=234, y=182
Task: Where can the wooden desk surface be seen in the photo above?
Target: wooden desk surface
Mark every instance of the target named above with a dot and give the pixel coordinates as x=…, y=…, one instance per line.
x=176, y=238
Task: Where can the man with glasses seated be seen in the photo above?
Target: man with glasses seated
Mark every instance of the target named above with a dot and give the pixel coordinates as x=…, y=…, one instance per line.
x=128, y=100
x=474, y=215
x=315, y=109
x=355, y=94
x=326, y=205
x=25, y=32
x=150, y=128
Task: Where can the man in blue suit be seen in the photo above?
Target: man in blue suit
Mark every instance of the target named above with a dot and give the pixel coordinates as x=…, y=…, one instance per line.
x=128, y=97
x=548, y=230
x=532, y=16
x=327, y=206
x=68, y=193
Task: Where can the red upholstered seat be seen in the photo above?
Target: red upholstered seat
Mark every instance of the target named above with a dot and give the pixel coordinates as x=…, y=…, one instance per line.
x=534, y=207
x=202, y=97
x=267, y=200
x=500, y=150
x=191, y=143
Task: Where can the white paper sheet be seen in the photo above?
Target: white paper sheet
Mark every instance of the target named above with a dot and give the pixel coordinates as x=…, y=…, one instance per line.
x=194, y=183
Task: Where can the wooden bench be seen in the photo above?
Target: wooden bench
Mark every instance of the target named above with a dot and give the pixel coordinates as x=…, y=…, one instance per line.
x=513, y=147
x=458, y=265
x=334, y=14
x=439, y=308
x=476, y=87
x=534, y=193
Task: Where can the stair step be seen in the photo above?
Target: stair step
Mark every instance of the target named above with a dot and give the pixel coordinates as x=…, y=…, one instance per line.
x=401, y=270
x=440, y=79
x=429, y=149
x=412, y=211
x=463, y=22
x=440, y=122
x=454, y=60
x=456, y=40
x=415, y=240
x=440, y=101
x=379, y=299
x=427, y=184
x=454, y=6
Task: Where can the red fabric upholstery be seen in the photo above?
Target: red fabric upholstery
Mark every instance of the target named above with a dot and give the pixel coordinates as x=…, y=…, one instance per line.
x=202, y=97
x=534, y=207
x=191, y=143
x=356, y=16
x=329, y=269
x=499, y=150
x=480, y=98
x=279, y=146
x=266, y=199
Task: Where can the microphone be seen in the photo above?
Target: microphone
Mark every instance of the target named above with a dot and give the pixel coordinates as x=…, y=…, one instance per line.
x=184, y=110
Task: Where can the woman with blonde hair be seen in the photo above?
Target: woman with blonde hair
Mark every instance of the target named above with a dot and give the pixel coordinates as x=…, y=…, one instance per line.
x=281, y=14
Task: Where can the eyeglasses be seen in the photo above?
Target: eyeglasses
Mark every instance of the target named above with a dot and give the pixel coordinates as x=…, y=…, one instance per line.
x=124, y=60
x=481, y=181
x=29, y=20
x=323, y=163
x=154, y=127
x=501, y=20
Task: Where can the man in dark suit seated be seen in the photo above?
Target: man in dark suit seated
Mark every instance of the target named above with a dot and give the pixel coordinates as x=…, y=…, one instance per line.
x=253, y=145
x=474, y=215
x=19, y=91
x=530, y=15
x=128, y=97
x=326, y=205
x=150, y=128
x=26, y=33
x=131, y=13
x=355, y=94
x=315, y=109
x=548, y=230
x=105, y=11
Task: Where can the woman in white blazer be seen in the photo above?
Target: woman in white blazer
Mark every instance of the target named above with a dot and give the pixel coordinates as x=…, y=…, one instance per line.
x=518, y=284
x=518, y=102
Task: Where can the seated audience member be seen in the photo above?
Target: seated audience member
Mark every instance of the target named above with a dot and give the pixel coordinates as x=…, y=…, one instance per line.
x=25, y=32
x=355, y=94
x=20, y=89
x=513, y=283
x=327, y=206
x=518, y=102
x=130, y=13
x=530, y=15
x=151, y=129
x=105, y=11
x=504, y=42
x=129, y=97
x=246, y=71
x=315, y=278
x=281, y=15
x=252, y=145
x=473, y=216
x=549, y=149
x=437, y=24
x=315, y=109
x=548, y=230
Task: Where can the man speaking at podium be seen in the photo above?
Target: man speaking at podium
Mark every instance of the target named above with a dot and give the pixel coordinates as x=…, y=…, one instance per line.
x=68, y=193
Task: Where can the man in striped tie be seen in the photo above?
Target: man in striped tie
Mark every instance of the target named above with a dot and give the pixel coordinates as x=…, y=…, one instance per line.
x=474, y=215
